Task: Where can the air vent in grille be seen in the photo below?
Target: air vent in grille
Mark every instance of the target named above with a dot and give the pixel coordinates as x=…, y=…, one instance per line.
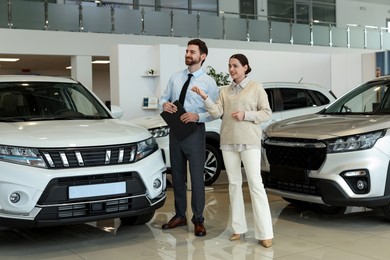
x=297, y=153
x=89, y=156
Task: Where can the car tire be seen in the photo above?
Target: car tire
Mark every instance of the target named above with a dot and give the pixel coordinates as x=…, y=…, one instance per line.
x=137, y=220
x=213, y=165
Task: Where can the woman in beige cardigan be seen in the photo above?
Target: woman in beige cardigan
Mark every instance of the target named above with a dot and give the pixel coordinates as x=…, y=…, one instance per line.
x=243, y=106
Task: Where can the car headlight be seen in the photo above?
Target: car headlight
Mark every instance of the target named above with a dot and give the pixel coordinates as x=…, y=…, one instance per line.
x=159, y=131
x=146, y=148
x=354, y=142
x=21, y=155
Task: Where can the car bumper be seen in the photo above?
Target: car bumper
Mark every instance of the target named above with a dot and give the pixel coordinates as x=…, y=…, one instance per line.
x=101, y=192
x=329, y=185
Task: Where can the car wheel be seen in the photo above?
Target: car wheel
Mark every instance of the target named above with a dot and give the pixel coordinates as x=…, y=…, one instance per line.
x=213, y=165
x=137, y=220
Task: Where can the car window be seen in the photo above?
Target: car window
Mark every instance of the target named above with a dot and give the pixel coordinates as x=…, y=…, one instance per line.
x=271, y=99
x=372, y=98
x=295, y=98
x=21, y=101
x=322, y=99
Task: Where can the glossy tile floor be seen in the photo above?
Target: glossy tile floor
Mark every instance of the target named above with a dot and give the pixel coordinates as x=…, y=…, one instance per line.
x=299, y=234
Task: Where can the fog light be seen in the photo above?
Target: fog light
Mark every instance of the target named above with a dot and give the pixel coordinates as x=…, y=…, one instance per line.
x=361, y=185
x=156, y=184
x=355, y=173
x=14, y=197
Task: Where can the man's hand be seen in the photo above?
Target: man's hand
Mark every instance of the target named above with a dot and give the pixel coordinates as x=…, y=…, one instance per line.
x=169, y=107
x=189, y=117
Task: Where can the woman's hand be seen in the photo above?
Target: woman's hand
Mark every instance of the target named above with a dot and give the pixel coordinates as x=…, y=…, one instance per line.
x=200, y=92
x=239, y=115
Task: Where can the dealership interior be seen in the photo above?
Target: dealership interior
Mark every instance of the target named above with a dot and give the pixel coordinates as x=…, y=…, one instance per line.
x=301, y=230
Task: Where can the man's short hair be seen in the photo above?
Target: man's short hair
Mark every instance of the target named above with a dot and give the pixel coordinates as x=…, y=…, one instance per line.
x=201, y=44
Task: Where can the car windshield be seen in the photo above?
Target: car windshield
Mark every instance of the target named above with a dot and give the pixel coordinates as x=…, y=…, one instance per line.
x=371, y=98
x=31, y=101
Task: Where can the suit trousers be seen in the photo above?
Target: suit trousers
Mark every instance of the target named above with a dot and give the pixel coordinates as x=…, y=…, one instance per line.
x=191, y=150
x=251, y=159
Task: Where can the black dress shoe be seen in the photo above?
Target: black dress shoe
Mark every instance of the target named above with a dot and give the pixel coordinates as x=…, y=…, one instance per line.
x=199, y=230
x=175, y=222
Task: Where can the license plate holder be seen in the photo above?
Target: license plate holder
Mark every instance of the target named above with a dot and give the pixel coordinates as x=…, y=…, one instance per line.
x=96, y=190
x=285, y=173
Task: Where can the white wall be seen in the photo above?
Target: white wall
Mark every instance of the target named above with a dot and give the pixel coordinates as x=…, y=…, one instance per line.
x=361, y=13
x=339, y=72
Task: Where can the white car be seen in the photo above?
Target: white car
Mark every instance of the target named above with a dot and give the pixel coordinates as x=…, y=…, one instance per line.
x=65, y=159
x=336, y=158
x=287, y=99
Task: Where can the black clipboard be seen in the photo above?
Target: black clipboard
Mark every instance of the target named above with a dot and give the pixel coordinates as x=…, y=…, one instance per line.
x=179, y=129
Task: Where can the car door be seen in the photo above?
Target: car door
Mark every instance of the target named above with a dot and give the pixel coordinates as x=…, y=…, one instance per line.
x=297, y=102
x=275, y=103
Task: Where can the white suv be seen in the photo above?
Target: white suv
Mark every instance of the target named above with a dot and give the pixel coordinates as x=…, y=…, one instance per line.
x=338, y=157
x=287, y=99
x=65, y=159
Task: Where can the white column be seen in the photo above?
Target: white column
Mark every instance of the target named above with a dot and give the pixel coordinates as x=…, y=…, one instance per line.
x=82, y=70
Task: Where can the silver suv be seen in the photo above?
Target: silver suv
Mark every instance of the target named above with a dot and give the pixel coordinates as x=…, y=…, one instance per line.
x=338, y=157
x=287, y=99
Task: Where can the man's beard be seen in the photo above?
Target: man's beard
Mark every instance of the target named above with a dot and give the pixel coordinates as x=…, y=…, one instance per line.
x=190, y=62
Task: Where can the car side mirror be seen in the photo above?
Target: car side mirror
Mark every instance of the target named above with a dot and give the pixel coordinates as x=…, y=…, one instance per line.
x=116, y=111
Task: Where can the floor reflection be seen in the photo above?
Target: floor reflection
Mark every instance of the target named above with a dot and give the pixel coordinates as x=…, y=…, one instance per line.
x=304, y=232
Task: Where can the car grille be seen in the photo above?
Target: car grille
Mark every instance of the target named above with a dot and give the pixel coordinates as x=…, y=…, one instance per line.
x=310, y=188
x=89, y=156
x=56, y=205
x=298, y=153
x=290, y=161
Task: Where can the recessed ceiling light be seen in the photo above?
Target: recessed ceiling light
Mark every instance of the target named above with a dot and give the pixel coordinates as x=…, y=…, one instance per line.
x=69, y=67
x=9, y=59
x=100, y=61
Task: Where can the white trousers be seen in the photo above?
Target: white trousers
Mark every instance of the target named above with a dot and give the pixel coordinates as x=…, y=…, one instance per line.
x=261, y=212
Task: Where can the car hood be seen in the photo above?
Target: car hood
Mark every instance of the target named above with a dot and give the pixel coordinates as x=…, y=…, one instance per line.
x=71, y=133
x=320, y=127
x=149, y=122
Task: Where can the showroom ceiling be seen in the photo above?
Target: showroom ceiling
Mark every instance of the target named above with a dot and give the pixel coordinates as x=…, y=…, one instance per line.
x=33, y=63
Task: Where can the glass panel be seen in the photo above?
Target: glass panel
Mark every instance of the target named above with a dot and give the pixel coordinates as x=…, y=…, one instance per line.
x=281, y=8
x=321, y=35
x=157, y=23
x=128, y=21
x=211, y=6
x=247, y=9
x=386, y=41
x=235, y=29
x=373, y=39
x=63, y=17
x=178, y=5
x=3, y=14
x=184, y=25
x=97, y=19
x=302, y=13
x=280, y=32
x=324, y=13
x=301, y=34
x=339, y=37
x=259, y=31
x=146, y=5
x=357, y=37
x=210, y=27
x=36, y=18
